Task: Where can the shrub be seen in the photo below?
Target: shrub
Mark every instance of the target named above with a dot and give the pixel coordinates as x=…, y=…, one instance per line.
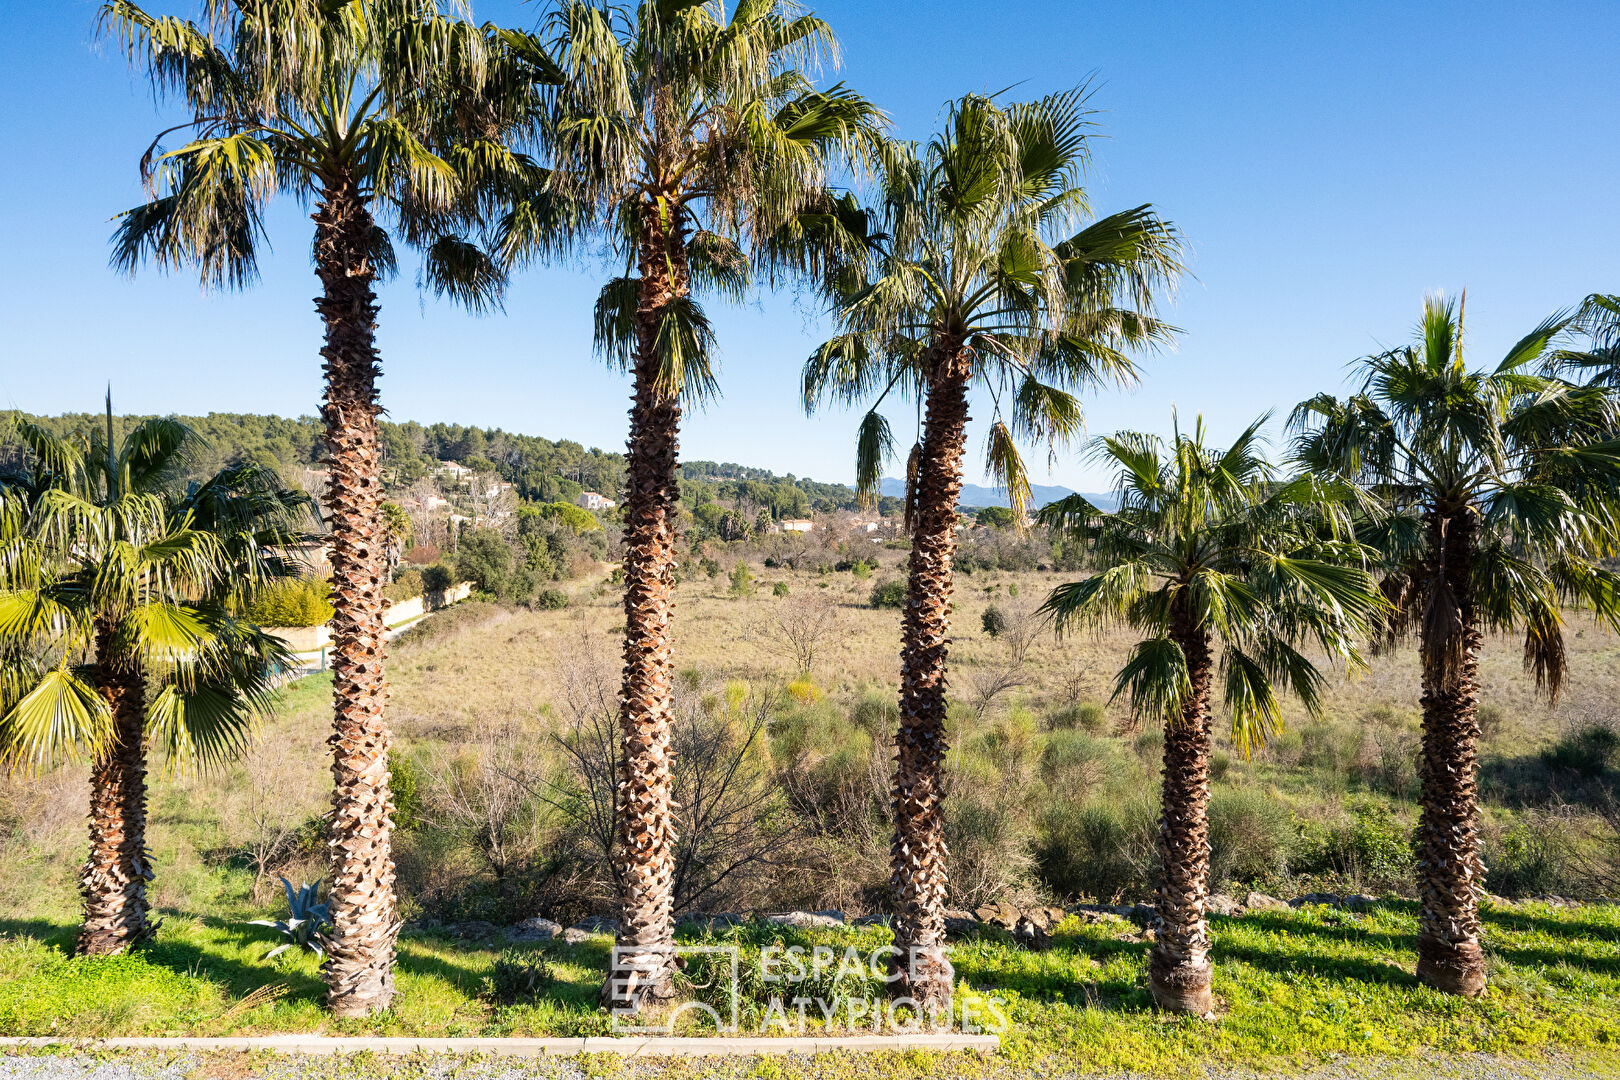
x=551, y=600
x=1098, y=849
x=1372, y=851
x=1088, y=716
x=889, y=594
x=405, y=784
x=1075, y=756
x=1591, y=749
x=779, y=589
x=1250, y=836
x=406, y=585
x=804, y=691
x=517, y=977
x=290, y=602
x=993, y=621
x=987, y=845
x=710, y=567
x=742, y=580
x=876, y=714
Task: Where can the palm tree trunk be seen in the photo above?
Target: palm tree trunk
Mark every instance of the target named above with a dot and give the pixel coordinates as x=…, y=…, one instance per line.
x=360, y=947
x=1450, y=870
x=643, y=965
x=917, y=853
x=1179, y=970
x=113, y=883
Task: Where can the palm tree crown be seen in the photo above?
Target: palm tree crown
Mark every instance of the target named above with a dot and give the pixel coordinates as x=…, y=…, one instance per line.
x=984, y=254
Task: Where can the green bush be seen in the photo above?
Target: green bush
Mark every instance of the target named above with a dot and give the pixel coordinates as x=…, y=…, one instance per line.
x=889, y=594
x=1250, y=836
x=742, y=580
x=290, y=602
x=405, y=784
x=1087, y=715
x=551, y=600
x=877, y=714
x=1100, y=849
x=1591, y=749
x=993, y=621
x=1071, y=755
x=1372, y=851
x=779, y=589
x=518, y=976
x=406, y=584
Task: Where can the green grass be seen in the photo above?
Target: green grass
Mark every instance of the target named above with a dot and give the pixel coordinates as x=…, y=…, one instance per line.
x=1295, y=986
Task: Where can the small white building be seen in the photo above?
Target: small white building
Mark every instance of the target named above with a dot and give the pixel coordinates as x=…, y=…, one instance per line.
x=590, y=500
x=800, y=525
x=453, y=470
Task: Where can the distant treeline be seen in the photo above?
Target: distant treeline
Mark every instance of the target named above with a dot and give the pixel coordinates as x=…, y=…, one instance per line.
x=540, y=469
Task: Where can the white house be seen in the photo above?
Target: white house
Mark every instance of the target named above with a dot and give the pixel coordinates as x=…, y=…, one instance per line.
x=590, y=500
x=797, y=525
x=453, y=470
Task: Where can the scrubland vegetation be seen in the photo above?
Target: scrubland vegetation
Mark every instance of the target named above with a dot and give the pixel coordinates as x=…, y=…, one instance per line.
x=503, y=716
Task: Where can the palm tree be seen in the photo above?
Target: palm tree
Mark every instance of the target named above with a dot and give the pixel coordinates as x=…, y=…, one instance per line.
x=375, y=110
x=697, y=147
x=109, y=580
x=1501, y=493
x=1207, y=550
x=984, y=276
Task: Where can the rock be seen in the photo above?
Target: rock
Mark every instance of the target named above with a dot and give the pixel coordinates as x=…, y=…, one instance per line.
x=958, y=928
x=477, y=929
x=1142, y=914
x=1031, y=935
x=806, y=918
x=1259, y=901
x=596, y=924
x=535, y=929
x=1358, y=902
x=710, y=924
x=1221, y=904
x=1497, y=901
x=1093, y=913
x=1000, y=914
x=1045, y=917
x=1314, y=898
x=883, y=920
x=573, y=935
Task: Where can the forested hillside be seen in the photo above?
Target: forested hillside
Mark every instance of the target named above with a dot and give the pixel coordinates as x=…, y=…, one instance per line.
x=539, y=468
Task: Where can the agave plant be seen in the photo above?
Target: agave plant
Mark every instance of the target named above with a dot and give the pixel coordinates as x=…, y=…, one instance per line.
x=306, y=915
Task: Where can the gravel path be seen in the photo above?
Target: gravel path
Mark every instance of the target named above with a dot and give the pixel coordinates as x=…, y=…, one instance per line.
x=237, y=1066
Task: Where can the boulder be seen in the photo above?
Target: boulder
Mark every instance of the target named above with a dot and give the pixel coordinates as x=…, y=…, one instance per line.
x=881, y=920
x=1045, y=917
x=1000, y=914
x=1031, y=935
x=1142, y=914
x=1221, y=904
x=1259, y=901
x=535, y=929
x=573, y=935
x=1314, y=898
x=1358, y=902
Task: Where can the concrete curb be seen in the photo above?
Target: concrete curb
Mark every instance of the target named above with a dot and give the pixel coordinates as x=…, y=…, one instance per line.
x=629, y=1046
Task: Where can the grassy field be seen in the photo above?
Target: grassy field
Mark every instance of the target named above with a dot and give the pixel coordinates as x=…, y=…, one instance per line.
x=1297, y=987
x=1040, y=770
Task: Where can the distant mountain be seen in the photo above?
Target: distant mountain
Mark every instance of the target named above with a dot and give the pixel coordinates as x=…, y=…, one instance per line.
x=975, y=496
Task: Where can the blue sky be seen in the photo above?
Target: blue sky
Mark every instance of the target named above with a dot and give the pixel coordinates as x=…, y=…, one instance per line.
x=1329, y=164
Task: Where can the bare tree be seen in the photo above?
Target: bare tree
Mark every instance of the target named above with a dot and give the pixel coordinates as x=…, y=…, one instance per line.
x=484, y=793
x=802, y=625
x=721, y=786
x=1009, y=670
x=273, y=817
